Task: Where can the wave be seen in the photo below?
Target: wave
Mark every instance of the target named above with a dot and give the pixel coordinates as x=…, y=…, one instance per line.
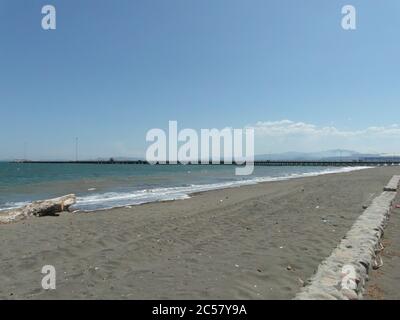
x=103, y=201
x=13, y=205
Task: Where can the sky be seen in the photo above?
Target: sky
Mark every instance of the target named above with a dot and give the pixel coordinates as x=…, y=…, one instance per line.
x=112, y=70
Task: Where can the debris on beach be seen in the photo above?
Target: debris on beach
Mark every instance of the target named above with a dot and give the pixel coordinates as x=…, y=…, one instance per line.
x=39, y=208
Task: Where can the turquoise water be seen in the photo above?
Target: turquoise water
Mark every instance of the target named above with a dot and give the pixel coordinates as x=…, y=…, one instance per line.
x=107, y=186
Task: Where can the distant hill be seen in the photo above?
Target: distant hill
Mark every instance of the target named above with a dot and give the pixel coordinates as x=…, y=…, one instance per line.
x=336, y=154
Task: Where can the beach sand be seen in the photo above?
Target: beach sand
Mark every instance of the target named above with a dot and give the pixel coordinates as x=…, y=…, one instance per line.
x=254, y=242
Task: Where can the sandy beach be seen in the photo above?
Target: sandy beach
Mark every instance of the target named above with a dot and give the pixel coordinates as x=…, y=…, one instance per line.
x=254, y=242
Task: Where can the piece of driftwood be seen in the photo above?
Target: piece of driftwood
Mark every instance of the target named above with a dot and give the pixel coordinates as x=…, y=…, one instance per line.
x=39, y=208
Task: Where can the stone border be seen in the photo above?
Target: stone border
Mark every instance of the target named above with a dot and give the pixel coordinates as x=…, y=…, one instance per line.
x=393, y=184
x=343, y=274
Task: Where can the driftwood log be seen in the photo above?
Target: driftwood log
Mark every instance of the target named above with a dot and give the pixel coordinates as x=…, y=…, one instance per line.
x=39, y=209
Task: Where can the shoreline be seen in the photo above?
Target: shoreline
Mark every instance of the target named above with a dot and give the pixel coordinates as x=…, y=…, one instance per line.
x=260, y=241
x=268, y=180
x=173, y=193
x=231, y=184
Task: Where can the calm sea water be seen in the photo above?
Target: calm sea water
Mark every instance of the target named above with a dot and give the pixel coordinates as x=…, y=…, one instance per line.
x=107, y=186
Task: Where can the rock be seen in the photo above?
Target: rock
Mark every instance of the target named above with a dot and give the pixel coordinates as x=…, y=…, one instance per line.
x=350, y=294
x=393, y=184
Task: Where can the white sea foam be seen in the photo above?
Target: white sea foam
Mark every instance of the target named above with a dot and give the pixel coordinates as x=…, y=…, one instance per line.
x=13, y=205
x=119, y=199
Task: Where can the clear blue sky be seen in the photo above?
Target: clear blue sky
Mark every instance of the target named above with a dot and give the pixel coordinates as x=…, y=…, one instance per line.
x=114, y=69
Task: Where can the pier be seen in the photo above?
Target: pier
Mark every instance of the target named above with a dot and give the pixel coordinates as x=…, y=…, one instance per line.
x=275, y=163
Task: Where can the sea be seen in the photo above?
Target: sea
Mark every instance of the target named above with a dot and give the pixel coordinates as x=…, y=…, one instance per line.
x=105, y=186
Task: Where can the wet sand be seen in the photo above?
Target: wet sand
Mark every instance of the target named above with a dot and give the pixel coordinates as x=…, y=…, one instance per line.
x=254, y=242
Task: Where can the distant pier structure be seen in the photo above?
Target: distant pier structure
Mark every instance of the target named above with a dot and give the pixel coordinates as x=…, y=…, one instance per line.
x=271, y=163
